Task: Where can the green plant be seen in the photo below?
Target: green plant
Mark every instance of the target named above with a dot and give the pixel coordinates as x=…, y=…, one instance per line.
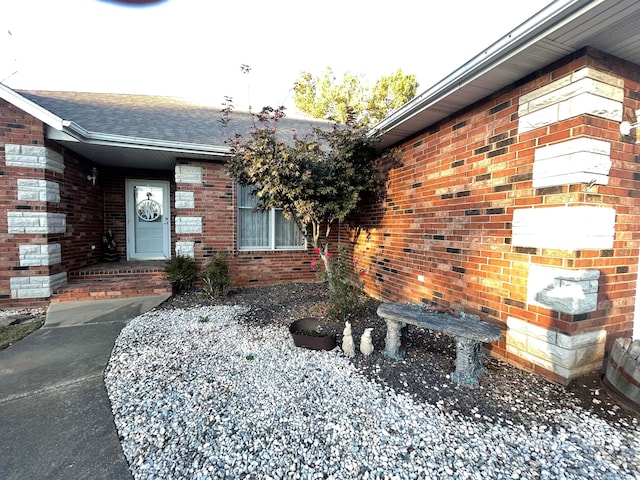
x=325, y=96
x=346, y=288
x=317, y=179
x=10, y=334
x=181, y=272
x=204, y=319
x=216, y=279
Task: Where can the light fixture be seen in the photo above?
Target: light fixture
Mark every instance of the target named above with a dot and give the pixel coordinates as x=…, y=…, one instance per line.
x=626, y=127
x=94, y=175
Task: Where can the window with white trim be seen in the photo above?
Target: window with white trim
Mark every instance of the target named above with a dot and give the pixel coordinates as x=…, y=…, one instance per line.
x=265, y=229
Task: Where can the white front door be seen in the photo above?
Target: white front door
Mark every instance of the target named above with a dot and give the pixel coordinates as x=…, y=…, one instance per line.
x=148, y=220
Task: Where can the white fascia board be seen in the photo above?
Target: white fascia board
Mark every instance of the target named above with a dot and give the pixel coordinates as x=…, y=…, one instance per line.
x=85, y=136
x=30, y=107
x=528, y=33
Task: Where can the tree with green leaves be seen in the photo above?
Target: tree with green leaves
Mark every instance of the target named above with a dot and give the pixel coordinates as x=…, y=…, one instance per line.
x=349, y=101
x=316, y=180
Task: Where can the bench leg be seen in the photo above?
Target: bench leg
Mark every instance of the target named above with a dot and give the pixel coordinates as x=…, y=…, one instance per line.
x=469, y=369
x=393, y=340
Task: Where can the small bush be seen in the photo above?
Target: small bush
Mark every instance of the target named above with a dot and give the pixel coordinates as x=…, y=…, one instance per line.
x=216, y=279
x=346, y=288
x=181, y=272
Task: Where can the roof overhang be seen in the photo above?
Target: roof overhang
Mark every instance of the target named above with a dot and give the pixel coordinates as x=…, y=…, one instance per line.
x=117, y=151
x=121, y=151
x=562, y=28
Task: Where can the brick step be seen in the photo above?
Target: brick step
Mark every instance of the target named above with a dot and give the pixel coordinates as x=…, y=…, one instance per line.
x=114, y=276
x=119, y=270
x=110, y=289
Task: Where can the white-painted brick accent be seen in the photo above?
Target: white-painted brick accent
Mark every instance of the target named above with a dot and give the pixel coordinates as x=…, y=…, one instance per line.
x=188, y=224
x=185, y=249
x=562, y=290
x=185, y=200
x=591, y=104
x=586, y=91
x=567, y=355
x=36, y=255
x=36, y=222
x=188, y=174
x=581, y=160
x=587, y=339
x=31, y=156
x=36, y=287
x=38, y=190
x=564, y=228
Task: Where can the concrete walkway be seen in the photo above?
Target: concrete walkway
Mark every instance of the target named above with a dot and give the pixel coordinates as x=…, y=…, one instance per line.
x=55, y=416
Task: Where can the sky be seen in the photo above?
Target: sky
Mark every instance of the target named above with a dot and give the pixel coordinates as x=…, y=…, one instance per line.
x=195, y=48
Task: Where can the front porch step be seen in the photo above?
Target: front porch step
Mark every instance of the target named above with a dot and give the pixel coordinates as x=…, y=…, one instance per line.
x=114, y=280
x=108, y=289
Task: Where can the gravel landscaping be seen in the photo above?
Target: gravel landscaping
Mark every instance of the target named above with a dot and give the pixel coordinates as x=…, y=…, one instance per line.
x=216, y=389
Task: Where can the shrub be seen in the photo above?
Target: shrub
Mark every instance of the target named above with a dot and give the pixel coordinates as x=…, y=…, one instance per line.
x=216, y=279
x=346, y=288
x=181, y=272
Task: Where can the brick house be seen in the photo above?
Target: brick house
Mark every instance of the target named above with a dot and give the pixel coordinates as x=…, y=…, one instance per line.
x=513, y=195
x=148, y=170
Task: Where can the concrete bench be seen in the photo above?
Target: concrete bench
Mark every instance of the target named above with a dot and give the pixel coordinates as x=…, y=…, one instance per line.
x=469, y=333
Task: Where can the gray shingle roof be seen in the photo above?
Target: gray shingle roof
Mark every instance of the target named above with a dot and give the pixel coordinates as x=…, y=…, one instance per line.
x=153, y=117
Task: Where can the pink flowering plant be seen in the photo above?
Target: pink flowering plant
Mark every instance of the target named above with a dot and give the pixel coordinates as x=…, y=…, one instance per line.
x=346, y=285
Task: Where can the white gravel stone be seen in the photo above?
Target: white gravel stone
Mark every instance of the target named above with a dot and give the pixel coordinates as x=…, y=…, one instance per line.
x=195, y=394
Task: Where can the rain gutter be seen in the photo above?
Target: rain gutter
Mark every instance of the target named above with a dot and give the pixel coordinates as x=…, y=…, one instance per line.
x=85, y=136
x=30, y=107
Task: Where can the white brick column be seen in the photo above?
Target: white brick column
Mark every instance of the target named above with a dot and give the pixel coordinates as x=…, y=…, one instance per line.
x=586, y=91
x=568, y=291
x=31, y=156
x=38, y=255
x=36, y=222
x=35, y=190
x=38, y=286
x=566, y=355
x=188, y=174
x=581, y=160
x=188, y=224
x=185, y=200
x=564, y=228
x=185, y=249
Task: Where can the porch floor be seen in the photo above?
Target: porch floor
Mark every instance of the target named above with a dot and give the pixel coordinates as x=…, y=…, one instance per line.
x=104, y=281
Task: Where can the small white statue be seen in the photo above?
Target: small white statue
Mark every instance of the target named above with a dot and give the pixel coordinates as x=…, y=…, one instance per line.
x=347, y=341
x=366, y=344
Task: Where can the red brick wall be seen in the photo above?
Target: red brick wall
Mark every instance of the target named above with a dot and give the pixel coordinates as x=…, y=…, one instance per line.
x=17, y=128
x=215, y=203
x=82, y=203
x=449, y=206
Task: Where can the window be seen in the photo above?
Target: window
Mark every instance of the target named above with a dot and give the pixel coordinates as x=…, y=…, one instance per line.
x=264, y=230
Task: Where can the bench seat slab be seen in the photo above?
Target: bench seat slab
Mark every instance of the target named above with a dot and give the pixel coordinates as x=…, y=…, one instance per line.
x=473, y=329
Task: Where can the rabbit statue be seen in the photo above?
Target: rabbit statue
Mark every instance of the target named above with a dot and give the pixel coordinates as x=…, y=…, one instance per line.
x=347, y=341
